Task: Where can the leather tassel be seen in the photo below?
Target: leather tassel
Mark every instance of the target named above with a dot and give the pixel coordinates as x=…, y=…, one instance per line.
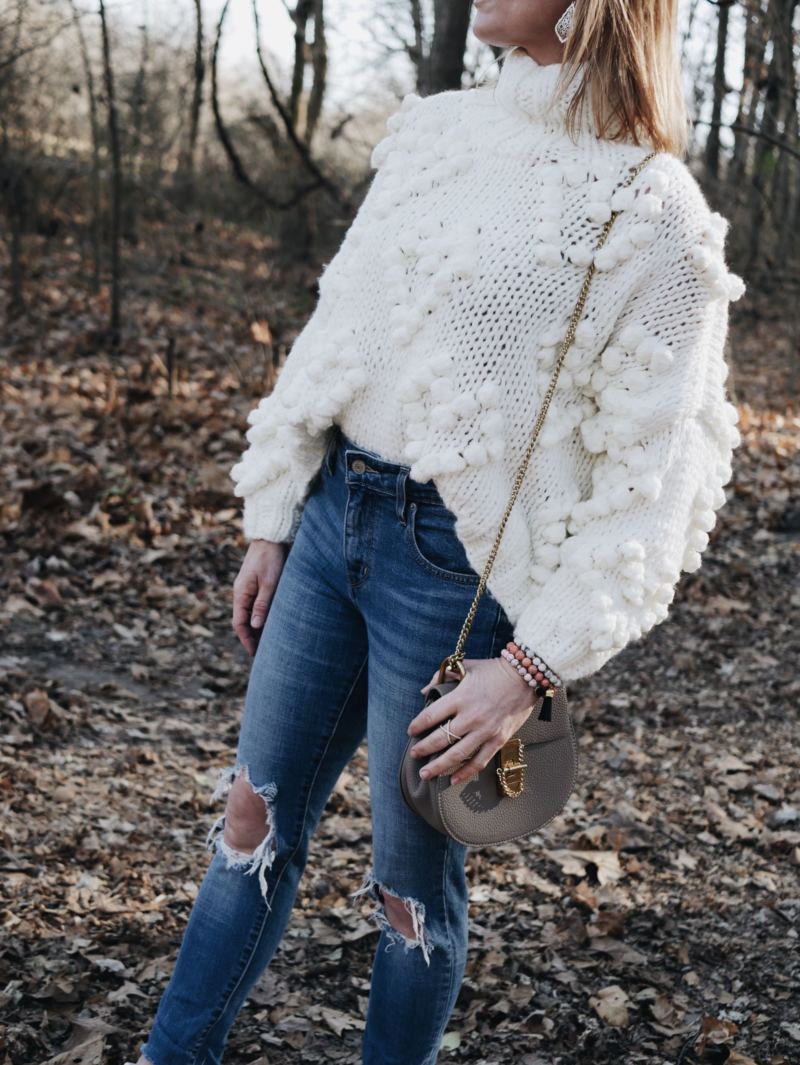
x=546, y=711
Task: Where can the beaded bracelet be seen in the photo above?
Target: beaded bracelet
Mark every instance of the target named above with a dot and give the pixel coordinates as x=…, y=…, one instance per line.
x=543, y=687
x=530, y=666
x=535, y=673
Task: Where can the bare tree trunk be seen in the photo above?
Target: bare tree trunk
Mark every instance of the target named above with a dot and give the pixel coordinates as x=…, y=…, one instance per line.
x=417, y=50
x=300, y=16
x=12, y=186
x=720, y=88
x=767, y=155
x=94, y=126
x=116, y=176
x=237, y=165
x=319, y=64
x=755, y=43
x=784, y=187
x=789, y=193
x=445, y=65
x=134, y=128
x=188, y=163
x=239, y=170
x=300, y=146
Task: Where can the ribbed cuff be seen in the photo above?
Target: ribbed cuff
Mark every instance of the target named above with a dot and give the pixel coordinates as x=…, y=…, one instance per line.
x=273, y=512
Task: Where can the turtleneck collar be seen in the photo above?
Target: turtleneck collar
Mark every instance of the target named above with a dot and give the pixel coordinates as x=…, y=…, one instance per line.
x=525, y=88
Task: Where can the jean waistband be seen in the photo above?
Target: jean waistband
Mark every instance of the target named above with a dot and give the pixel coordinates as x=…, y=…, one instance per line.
x=365, y=467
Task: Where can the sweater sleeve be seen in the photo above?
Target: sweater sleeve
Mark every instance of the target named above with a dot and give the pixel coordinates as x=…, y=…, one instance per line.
x=289, y=429
x=275, y=470
x=658, y=447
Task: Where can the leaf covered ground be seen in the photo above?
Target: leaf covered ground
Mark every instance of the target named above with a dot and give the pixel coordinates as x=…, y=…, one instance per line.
x=655, y=922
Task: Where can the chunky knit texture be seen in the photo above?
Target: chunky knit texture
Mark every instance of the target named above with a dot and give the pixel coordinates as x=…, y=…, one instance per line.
x=435, y=335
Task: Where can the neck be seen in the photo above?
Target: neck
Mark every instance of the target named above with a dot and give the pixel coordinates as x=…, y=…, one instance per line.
x=525, y=88
x=544, y=53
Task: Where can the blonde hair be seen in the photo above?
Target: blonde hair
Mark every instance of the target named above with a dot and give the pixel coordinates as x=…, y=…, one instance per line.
x=632, y=72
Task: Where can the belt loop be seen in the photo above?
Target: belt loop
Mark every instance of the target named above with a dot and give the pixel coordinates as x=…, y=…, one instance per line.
x=400, y=499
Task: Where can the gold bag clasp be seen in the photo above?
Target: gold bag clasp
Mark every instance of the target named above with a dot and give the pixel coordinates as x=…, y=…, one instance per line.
x=511, y=771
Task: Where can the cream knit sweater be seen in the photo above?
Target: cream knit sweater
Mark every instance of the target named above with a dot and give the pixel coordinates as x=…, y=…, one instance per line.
x=435, y=335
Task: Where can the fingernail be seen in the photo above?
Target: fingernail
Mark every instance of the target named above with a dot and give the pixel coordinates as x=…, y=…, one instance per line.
x=424, y=772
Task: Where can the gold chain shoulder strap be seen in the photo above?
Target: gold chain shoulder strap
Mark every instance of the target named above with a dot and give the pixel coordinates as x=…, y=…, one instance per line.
x=455, y=660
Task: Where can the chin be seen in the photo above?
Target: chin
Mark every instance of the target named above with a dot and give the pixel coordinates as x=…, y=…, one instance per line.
x=490, y=30
x=492, y=36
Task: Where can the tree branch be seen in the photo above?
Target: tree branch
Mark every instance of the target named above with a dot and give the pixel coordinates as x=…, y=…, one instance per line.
x=739, y=128
x=239, y=170
x=291, y=132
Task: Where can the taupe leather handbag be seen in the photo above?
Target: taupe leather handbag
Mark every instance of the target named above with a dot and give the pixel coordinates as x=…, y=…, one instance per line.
x=530, y=778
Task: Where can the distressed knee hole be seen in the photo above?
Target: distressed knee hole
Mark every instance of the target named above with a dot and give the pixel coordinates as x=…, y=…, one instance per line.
x=245, y=834
x=401, y=919
x=399, y=916
x=245, y=821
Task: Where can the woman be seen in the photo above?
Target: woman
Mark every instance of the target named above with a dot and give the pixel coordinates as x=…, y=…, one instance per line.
x=380, y=465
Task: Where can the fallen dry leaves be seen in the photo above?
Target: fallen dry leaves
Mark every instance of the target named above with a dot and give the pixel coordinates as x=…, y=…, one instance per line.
x=655, y=921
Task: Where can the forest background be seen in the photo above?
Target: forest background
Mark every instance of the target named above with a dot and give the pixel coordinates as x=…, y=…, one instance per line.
x=173, y=176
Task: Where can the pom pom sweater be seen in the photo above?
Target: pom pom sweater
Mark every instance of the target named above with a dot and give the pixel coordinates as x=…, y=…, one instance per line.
x=434, y=338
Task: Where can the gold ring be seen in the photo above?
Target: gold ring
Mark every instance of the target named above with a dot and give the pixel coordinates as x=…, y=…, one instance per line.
x=446, y=728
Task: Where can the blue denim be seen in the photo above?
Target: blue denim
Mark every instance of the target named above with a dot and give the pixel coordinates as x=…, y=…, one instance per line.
x=372, y=597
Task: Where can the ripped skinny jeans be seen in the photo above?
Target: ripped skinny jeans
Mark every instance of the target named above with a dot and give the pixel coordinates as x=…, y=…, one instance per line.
x=372, y=596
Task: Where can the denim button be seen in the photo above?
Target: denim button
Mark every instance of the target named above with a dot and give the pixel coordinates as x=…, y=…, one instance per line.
x=358, y=465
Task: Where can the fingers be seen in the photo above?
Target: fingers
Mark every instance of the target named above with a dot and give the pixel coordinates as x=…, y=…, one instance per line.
x=240, y=622
x=248, y=621
x=430, y=683
x=252, y=595
x=450, y=674
x=254, y=588
x=438, y=710
x=458, y=754
x=437, y=740
x=478, y=761
x=240, y=618
x=261, y=606
x=482, y=712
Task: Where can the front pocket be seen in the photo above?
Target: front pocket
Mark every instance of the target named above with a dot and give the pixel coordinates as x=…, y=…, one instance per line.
x=431, y=538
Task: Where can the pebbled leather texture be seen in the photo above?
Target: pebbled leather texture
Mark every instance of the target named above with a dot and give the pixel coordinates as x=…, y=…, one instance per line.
x=475, y=812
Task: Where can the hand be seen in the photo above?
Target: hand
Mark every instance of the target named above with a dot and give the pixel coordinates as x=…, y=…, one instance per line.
x=253, y=589
x=486, y=708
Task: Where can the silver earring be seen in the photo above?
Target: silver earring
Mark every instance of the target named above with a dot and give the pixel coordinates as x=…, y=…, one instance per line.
x=564, y=24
